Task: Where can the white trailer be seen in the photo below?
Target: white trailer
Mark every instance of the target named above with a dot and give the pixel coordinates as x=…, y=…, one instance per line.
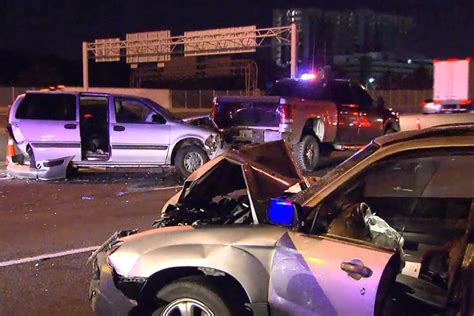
x=453, y=86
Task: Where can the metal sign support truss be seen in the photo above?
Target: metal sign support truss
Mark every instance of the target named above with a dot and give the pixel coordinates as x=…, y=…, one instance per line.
x=204, y=44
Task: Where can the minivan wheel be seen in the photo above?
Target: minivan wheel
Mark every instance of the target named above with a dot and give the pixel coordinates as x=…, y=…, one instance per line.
x=189, y=159
x=191, y=296
x=307, y=153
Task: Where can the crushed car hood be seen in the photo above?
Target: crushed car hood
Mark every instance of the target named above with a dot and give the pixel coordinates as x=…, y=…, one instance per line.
x=262, y=171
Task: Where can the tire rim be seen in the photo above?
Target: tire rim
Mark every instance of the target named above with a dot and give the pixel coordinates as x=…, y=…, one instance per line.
x=192, y=161
x=309, y=154
x=187, y=307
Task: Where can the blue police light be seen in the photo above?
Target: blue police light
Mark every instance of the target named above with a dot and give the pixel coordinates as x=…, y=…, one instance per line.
x=281, y=212
x=308, y=76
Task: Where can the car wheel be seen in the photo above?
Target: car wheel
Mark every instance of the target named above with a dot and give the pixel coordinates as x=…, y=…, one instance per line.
x=307, y=153
x=189, y=159
x=191, y=296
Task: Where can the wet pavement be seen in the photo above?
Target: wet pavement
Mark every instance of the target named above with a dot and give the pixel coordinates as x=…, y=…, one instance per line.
x=40, y=218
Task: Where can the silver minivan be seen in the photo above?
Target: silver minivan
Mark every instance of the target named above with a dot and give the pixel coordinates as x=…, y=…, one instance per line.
x=106, y=130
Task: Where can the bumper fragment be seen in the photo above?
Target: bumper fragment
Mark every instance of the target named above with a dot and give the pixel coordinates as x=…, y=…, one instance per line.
x=53, y=169
x=105, y=298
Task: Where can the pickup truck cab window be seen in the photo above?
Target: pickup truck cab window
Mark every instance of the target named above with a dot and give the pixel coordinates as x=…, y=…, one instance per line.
x=362, y=97
x=341, y=92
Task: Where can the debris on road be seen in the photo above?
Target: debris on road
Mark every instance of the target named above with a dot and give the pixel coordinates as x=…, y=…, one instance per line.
x=87, y=198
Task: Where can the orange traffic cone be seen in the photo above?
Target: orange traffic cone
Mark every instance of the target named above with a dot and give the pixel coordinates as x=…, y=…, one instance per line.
x=418, y=124
x=10, y=151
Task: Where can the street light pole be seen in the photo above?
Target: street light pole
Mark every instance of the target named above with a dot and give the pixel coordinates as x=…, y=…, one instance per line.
x=294, y=45
x=85, y=67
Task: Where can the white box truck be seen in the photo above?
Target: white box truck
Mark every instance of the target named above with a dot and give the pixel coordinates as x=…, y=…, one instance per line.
x=453, y=93
x=453, y=86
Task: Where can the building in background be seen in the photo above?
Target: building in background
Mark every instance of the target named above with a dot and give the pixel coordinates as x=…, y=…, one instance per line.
x=386, y=70
x=322, y=34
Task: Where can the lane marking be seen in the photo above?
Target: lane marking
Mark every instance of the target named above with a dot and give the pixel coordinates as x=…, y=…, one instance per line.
x=167, y=188
x=144, y=190
x=47, y=256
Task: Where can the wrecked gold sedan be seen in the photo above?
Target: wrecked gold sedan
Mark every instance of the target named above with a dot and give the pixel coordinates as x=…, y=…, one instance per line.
x=388, y=232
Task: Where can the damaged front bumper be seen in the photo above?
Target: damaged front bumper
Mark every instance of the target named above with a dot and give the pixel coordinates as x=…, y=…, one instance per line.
x=105, y=297
x=53, y=169
x=106, y=290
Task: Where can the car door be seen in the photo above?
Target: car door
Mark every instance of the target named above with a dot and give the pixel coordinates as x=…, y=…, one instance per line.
x=316, y=275
x=370, y=120
x=348, y=112
x=48, y=122
x=139, y=134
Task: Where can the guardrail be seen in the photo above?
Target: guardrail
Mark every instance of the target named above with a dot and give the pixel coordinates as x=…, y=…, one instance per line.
x=407, y=101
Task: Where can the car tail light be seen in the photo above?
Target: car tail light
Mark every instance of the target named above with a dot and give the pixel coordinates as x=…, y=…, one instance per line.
x=285, y=113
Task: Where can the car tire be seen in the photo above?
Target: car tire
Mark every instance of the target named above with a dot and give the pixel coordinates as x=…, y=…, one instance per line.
x=189, y=159
x=307, y=153
x=196, y=292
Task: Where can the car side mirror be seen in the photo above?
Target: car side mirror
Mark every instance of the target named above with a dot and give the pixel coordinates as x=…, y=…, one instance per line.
x=156, y=118
x=283, y=213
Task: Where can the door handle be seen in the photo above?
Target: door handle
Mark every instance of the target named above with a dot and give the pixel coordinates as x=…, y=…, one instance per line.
x=119, y=128
x=356, y=269
x=70, y=126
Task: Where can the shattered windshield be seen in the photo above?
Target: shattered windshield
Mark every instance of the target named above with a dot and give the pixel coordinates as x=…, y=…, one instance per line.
x=336, y=172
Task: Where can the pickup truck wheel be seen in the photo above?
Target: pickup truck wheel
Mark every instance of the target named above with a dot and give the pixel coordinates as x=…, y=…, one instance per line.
x=189, y=159
x=307, y=153
x=191, y=296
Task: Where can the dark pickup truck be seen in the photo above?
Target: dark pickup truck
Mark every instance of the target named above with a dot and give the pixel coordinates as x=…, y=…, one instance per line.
x=305, y=113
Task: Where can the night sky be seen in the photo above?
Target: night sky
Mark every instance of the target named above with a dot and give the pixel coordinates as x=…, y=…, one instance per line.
x=444, y=28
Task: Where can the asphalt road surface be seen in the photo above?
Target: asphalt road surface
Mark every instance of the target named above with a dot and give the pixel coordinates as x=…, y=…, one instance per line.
x=41, y=218
x=48, y=229
x=73, y=216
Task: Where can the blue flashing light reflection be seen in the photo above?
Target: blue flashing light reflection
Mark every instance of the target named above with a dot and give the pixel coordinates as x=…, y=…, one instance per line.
x=280, y=212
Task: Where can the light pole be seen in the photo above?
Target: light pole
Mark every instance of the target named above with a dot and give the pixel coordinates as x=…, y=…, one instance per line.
x=294, y=52
x=85, y=67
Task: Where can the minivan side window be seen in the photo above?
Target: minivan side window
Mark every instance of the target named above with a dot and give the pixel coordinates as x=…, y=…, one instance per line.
x=133, y=111
x=57, y=107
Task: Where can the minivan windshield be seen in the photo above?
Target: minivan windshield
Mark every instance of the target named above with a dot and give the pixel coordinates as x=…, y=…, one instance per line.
x=162, y=110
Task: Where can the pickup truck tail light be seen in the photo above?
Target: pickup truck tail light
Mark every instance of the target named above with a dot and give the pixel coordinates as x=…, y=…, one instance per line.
x=213, y=111
x=285, y=113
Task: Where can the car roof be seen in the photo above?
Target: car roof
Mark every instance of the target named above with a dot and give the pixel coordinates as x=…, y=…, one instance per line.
x=85, y=93
x=448, y=130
